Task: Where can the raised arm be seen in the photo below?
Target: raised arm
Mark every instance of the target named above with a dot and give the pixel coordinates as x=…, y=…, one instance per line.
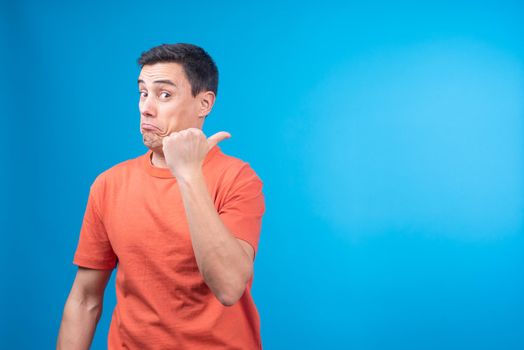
x=225, y=262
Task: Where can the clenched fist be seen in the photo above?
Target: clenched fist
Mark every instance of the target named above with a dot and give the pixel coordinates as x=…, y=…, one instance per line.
x=185, y=150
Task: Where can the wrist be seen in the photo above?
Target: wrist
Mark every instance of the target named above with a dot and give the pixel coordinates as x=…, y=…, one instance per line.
x=189, y=178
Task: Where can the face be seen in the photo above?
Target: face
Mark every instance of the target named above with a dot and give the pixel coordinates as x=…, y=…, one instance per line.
x=166, y=103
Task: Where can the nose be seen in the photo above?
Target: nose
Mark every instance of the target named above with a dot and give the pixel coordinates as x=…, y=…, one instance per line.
x=147, y=106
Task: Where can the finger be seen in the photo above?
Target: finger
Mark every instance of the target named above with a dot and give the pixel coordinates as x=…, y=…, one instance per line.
x=168, y=136
x=194, y=130
x=216, y=138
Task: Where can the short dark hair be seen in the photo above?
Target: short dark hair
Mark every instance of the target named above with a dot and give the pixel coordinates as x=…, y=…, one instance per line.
x=201, y=71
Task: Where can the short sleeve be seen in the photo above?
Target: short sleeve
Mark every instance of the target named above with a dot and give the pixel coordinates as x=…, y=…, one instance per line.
x=244, y=206
x=94, y=248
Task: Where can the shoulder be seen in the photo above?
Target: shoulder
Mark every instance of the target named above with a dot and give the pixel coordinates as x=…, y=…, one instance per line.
x=232, y=169
x=116, y=173
x=238, y=188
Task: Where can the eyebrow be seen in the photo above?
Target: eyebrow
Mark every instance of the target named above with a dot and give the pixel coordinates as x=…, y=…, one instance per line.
x=168, y=82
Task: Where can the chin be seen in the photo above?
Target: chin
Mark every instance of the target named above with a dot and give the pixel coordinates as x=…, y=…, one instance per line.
x=152, y=141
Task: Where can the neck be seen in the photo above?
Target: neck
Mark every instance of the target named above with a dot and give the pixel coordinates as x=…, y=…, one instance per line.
x=158, y=160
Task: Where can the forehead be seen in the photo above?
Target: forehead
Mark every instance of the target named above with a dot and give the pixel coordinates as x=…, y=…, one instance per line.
x=163, y=71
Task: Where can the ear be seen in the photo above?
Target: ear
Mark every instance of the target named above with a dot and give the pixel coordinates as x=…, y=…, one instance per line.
x=206, y=102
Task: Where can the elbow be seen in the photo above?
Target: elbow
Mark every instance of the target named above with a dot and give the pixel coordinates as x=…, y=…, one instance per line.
x=232, y=292
x=93, y=305
x=227, y=300
x=230, y=298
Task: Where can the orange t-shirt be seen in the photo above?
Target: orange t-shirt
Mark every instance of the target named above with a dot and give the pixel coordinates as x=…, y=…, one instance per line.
x=135, y=217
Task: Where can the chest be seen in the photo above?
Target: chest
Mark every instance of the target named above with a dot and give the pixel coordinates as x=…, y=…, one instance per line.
x=148, y=221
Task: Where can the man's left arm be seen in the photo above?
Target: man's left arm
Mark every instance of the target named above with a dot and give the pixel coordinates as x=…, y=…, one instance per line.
x=225, y=262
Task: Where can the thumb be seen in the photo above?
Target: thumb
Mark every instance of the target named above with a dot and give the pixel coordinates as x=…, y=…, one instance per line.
x=216, y=138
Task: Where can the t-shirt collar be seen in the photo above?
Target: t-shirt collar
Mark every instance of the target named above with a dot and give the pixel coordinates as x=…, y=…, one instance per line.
x=165, y=173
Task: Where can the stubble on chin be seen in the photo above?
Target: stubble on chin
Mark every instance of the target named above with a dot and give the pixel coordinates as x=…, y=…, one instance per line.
x=152, y=141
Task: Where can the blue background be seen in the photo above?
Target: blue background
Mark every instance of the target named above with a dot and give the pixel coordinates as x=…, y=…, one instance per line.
x=389, y=137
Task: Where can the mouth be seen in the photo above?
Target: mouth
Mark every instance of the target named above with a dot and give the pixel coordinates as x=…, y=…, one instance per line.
x=149, y=127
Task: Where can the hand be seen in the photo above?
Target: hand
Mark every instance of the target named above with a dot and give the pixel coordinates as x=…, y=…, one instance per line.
x=186, y=150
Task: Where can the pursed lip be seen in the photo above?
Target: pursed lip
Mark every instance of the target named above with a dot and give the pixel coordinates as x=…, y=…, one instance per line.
x=147, y=126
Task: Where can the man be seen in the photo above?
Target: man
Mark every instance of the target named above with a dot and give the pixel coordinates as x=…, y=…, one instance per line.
x=182, y=221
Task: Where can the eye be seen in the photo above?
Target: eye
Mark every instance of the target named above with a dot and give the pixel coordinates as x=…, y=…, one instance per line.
x=143, y=93
x=165, y=94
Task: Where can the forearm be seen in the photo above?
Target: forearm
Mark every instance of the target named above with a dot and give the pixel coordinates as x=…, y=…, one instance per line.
x=223, y=263
x=78, y=325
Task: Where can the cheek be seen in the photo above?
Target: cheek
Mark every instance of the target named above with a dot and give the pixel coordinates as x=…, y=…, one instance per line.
x=176, y=116
x=140, y=105
x=172, y=115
